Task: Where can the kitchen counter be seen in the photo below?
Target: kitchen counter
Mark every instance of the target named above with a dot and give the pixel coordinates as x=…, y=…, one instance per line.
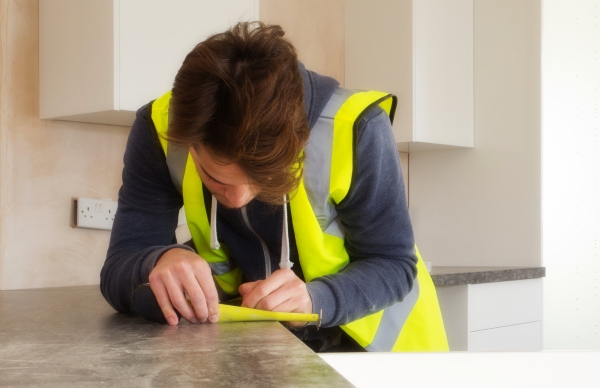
x=70, y=336
x=456, y=276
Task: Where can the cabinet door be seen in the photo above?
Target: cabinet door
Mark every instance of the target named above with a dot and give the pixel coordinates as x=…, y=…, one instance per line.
x=500, y=304
x=516, y=338
x=101, y=60
x=155, y=37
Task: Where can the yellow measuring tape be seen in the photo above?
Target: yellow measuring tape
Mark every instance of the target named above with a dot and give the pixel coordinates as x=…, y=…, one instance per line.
x=243, y=314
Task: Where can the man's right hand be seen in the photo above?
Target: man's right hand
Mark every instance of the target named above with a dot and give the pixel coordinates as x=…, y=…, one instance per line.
x=180, y=270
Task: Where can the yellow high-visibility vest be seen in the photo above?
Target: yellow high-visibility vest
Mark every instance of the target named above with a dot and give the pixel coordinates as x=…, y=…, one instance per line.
x=414, y=324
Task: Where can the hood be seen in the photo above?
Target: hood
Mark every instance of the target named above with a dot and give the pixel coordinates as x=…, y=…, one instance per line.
x=317, y=91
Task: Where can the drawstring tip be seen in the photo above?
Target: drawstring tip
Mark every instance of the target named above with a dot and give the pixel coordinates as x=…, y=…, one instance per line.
x=215, y=245
x=286, y=265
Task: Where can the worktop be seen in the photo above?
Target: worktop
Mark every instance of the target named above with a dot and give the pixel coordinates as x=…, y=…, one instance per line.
x=70, y=336
x=456, y=275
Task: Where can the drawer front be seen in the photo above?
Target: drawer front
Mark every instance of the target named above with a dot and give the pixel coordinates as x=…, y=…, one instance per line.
x=502, y=304
x=525, y=337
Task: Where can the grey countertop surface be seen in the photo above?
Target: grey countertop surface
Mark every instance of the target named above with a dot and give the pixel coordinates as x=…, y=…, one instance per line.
x=456, y=276
x=70, y=336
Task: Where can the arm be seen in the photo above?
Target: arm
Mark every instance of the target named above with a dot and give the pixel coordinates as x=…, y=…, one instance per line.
x=144, y=226
x=144, y=229
x=379, y=236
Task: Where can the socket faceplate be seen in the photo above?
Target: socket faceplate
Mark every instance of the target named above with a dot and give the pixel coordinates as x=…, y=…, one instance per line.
x=94, y=213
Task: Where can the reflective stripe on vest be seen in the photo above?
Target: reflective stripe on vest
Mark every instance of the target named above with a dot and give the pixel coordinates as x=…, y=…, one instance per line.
x=414, y=324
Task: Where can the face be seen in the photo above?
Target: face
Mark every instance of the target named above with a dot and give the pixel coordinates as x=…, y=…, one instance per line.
x=227, y=182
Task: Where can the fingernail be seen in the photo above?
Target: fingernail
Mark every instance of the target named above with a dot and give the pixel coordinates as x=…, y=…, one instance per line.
x=172, y=321
x=194, y=320
x=213, y=318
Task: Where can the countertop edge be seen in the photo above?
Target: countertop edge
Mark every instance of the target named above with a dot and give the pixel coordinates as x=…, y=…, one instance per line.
x=491, y=276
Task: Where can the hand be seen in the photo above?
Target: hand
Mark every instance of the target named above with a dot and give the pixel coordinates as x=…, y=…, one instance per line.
x=283, y=291
x=180, y=270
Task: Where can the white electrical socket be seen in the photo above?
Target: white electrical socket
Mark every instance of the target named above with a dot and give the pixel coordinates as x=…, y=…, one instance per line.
x=94, y=213
x=100, y=213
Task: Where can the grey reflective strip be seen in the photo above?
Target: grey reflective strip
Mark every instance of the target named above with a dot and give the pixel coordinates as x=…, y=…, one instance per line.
x=176, y=162
x=336, y=228
x=317, y=162
x=220, y=268
x=392, y=321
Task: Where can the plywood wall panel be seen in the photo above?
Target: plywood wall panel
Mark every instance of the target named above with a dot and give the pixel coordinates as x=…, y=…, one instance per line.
x=43, y=164
x=315, y=27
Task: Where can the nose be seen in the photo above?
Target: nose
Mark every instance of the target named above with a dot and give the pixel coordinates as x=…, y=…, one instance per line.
x=237, y=196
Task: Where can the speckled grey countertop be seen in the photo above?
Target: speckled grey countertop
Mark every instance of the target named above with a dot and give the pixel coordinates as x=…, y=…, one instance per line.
x=456, y=276
x=70, y=336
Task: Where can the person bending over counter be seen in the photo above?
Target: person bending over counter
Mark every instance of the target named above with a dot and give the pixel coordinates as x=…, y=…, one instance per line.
x=293, y=195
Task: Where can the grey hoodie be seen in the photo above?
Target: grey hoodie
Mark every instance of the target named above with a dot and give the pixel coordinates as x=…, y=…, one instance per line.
x=379, y=236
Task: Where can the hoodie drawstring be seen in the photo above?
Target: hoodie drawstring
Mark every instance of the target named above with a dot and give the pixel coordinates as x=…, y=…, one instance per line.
x=214, y=241
x=285, y=238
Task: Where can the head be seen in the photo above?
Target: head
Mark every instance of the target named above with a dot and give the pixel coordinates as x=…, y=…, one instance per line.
x=238, y=104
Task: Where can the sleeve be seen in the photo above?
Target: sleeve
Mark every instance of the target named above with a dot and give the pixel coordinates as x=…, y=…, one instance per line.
x=379, y=235
x=146, y=218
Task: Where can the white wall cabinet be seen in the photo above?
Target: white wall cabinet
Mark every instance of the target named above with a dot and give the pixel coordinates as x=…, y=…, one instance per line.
x=421, y=51
x=502, y=316
x=101, y=60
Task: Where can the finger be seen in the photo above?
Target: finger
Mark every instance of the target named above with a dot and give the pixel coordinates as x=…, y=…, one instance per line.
x=294, y=304
x=266, y=287
x=275, y=299
x=204, y=277
x=246, y=288
x=300, y=303
x=197, y=299
x=175, y=291
x=292, y=296
x=294, y=307
x=162, y=297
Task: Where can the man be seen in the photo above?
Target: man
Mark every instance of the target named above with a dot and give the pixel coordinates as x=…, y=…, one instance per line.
x=293, y=194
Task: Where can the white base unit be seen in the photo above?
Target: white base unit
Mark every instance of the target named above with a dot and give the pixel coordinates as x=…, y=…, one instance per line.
x=525, y=337
x=502, y=316
x=102, y=60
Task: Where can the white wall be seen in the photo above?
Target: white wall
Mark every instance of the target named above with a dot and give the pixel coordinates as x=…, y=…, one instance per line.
x=482, y=206
x=571, y=173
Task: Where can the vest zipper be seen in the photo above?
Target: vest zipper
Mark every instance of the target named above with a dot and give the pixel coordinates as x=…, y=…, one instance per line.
x=262, y=243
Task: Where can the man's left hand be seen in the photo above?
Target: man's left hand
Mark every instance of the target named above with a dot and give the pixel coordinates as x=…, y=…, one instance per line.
x=283, y=291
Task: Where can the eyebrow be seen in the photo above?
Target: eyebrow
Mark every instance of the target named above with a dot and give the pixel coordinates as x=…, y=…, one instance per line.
x=208, y=175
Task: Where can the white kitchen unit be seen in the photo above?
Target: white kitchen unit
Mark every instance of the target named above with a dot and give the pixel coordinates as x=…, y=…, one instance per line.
x=421, y=51
x=499, y=316
x=101, y=60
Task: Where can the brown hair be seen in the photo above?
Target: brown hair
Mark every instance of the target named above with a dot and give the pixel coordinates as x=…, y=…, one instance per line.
x=241, y=95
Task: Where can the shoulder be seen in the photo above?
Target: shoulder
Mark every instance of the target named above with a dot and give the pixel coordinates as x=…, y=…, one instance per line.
x=374, y=119
x=143, y=145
